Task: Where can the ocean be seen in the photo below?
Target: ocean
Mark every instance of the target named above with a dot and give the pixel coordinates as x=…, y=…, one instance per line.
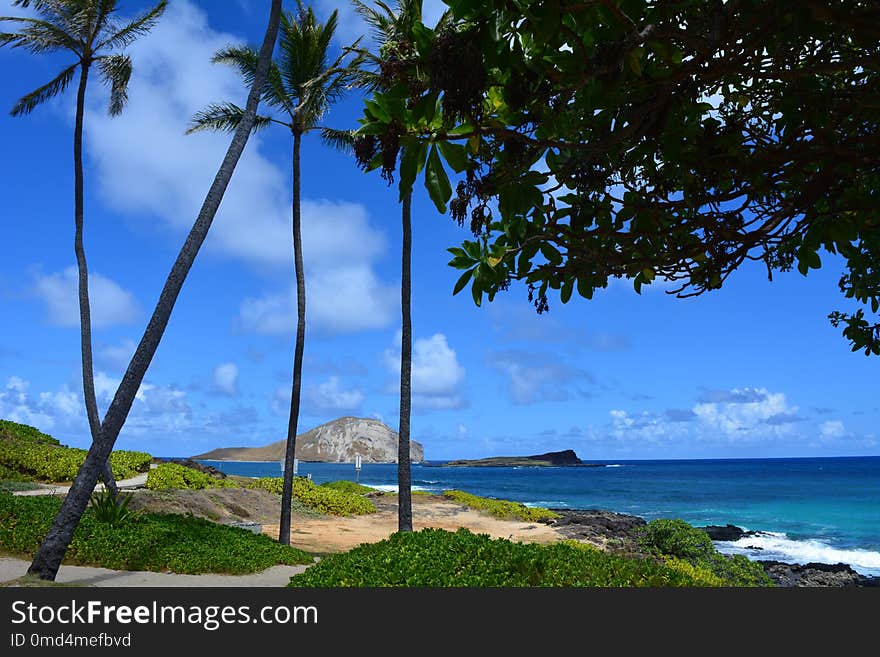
x=824, y=510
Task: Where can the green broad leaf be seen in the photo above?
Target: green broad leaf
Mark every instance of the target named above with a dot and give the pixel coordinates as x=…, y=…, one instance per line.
x=567, y=289
x=635, y=61
x=648, y=275
x=551, y=253
x=584, y=288
x=458, y=252
x=461, y=262
x=455, y=155
x=424, y=37
x=436, y=181
x=477, y=293
x=409, y=170
x=472, y=249
x=425, y=109
x=523, y=263
x=377, y=111
x=372, y=128
x=638, y=281
x=462, y=281
x=463, y=129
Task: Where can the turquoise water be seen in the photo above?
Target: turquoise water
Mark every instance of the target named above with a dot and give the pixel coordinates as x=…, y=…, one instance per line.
x=818, y=509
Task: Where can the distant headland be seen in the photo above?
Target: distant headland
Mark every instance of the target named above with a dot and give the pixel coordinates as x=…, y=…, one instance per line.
x=565, y=458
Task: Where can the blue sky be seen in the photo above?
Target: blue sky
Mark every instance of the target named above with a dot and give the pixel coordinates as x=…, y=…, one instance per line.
x=753, y=370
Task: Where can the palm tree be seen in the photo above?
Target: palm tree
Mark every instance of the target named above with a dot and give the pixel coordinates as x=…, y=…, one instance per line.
x=390, y=25
x=51, y=551
x=300, y=87
x=88, y=30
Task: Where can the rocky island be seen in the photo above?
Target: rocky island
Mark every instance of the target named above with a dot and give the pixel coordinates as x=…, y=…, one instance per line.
x=338, y=441
x=565, y=458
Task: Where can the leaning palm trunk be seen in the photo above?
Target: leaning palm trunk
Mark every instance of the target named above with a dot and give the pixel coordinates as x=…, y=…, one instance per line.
x=51, y=551
x=85, y=321
x=296, y=384
x=404, y=470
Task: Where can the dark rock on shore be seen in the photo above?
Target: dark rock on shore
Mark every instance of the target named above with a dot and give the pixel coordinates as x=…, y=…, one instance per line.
x=616, y=531
x=816, y=574
x=727, y=532
x=201, y=467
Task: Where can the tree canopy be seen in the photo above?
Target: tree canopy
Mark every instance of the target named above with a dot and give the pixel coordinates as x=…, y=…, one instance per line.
x=653, y=140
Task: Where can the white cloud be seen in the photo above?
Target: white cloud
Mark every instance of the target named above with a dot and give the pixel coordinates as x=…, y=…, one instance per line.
x=226, y=379
x=115, y=357
x=739, y=416
x=533, y=377
x=437, y=376
x=329, y=397
x=831, y=429
x=109, y=303
x=147, y=166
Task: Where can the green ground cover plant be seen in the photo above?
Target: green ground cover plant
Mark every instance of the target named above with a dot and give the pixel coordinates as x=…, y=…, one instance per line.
x=438, y=558
x=174, y=475
x=154, y=542
x=27, y=453
x=504, y=509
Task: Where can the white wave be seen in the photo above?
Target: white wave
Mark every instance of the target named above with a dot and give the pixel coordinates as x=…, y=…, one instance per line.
x=778, y=547
x=547, y=504
x=614, y=465
x=392, y=488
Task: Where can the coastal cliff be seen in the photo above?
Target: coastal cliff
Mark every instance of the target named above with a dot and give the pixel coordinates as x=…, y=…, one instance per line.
x=338, y=441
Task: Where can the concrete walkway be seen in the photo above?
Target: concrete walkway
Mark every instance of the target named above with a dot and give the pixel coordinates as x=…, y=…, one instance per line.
x=12, y=568
x=57, y=489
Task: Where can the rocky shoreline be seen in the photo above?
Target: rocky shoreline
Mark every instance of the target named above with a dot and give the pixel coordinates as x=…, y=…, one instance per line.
x=619, y=532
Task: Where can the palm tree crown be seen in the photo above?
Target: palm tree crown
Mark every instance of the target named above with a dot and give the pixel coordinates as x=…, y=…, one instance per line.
x=88, y=30
x=301, y=85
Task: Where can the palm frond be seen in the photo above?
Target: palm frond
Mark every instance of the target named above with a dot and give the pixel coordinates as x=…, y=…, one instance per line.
x=38, y=36
x=341, y=140
x=244, y=59
x=116, y=72
x=26, y=104
x=224, y=117
x=136, y=28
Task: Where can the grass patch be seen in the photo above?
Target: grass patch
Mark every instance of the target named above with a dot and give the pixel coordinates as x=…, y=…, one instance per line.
x=438, y=558
x=154, y=542
x=503, y=509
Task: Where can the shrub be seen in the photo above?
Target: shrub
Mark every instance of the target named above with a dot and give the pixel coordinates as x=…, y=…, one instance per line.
x=8, y=474
x=174, y=475
x=438, y=558
x=31, y=453
x=110, y=509
x=504, y=509
x=127, y=464
x=677, y=538
x=679, y=542
x=156, y=542
x=23, y=432
x=323, y=499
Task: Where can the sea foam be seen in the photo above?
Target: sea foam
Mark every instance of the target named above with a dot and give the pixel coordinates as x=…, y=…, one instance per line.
x=775, y=546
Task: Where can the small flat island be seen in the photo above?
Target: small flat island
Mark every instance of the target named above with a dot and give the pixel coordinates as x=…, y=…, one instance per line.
x=565, y=458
